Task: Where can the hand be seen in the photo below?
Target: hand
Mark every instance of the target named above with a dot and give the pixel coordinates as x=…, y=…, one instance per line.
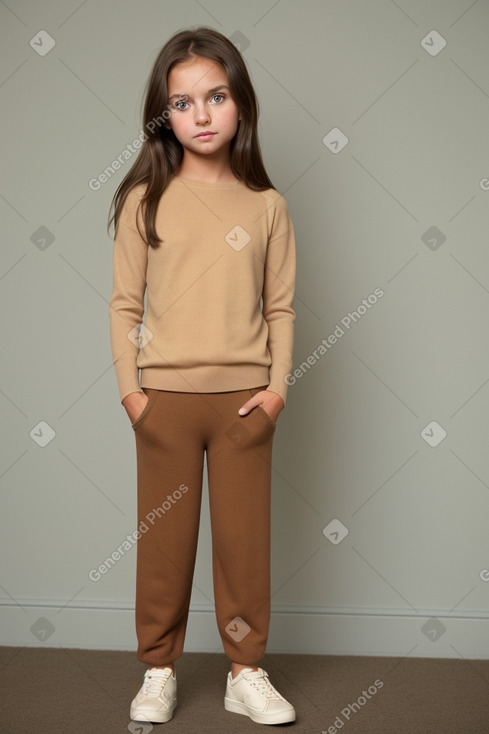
x=135, y=403
x=270, y=401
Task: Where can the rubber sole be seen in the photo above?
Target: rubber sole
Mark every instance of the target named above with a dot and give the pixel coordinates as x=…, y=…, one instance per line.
x=241, y=708
x=154, y=718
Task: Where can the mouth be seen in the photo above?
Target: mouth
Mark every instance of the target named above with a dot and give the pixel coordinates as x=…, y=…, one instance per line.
x=207, y=134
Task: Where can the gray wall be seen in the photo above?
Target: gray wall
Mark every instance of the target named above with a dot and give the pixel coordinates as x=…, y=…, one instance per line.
x=402, y=207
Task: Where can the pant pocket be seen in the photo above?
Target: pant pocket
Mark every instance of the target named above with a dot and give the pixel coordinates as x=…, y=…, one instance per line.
x=261, y=411
x=152, y=398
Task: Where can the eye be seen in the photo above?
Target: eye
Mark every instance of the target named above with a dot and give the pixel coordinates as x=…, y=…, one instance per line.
x=219, y=95
x=179, y=102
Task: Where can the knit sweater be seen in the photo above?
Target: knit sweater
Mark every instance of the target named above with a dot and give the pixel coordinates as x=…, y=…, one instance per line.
x=219, y=291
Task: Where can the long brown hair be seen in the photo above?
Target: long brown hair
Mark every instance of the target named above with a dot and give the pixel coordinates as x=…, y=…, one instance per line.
x=161, y=152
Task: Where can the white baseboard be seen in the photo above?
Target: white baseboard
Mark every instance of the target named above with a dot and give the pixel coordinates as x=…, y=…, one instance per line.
x=299, y=630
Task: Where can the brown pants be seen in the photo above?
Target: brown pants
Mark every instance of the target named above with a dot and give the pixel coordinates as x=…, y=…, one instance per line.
x=172, y=434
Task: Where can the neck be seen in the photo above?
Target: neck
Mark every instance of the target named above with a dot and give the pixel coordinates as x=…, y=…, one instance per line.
x=209, y=169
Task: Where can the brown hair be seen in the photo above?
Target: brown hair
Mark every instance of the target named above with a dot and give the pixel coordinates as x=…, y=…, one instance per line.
x=161, y=152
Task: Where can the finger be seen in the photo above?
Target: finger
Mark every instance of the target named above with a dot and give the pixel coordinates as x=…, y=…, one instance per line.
x=246, y=407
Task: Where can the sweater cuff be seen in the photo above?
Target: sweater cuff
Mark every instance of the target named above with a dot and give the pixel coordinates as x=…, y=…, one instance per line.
x=280, y=388
x=128, y=392
x=128, y=381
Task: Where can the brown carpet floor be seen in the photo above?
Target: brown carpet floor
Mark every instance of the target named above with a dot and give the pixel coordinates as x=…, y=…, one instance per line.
x=83, y=692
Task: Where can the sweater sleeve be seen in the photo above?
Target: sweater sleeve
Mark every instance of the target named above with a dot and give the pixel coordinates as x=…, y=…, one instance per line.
x=126, y=306
x=278, y=294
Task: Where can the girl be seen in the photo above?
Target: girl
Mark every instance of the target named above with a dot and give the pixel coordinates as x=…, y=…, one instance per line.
x=200, y=228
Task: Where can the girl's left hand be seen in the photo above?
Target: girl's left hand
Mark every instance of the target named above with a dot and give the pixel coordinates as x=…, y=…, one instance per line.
x=270, y=401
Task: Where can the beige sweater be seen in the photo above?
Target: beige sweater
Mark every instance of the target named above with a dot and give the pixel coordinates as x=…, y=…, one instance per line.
x=219, y=291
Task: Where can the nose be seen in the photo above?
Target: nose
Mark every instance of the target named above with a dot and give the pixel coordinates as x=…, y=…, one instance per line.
x=202, y=115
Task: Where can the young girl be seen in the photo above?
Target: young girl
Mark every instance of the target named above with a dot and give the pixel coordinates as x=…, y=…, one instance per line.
x=200, y=228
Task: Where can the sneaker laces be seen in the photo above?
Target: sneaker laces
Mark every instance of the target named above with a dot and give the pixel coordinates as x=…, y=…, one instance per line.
x=262, y=684
x=154, y=682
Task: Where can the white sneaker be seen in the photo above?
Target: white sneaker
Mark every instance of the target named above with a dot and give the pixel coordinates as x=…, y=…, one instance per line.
x=157, y=697
x=252, y=694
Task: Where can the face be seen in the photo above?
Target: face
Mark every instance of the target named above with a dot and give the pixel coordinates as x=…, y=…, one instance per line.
x=207, y=106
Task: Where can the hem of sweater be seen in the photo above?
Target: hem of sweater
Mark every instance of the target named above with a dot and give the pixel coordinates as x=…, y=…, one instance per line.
x=222, y=378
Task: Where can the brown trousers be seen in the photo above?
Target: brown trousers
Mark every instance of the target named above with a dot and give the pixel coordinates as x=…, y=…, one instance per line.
x=172, y=433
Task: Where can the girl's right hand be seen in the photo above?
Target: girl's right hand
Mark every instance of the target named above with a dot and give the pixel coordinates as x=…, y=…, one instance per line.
x=135, y=403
